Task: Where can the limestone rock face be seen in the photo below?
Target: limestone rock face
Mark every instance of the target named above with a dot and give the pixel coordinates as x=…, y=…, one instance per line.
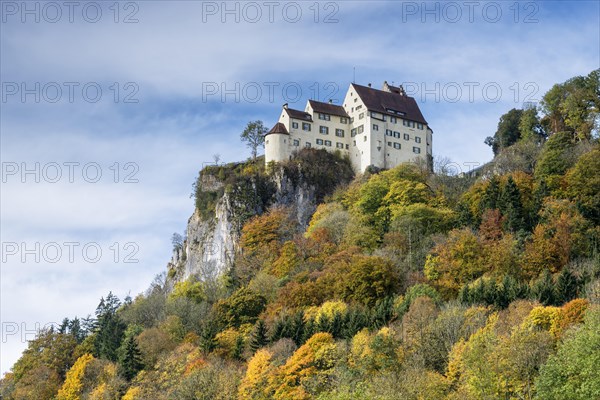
x=210, y=244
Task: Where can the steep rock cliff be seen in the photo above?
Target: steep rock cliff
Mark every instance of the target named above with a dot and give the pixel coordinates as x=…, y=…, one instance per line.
x=224, y=204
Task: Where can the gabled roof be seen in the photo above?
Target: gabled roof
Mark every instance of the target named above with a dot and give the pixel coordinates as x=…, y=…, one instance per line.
x=382, y=102
x=278, y=128
x=328, y=108
x=297, y=114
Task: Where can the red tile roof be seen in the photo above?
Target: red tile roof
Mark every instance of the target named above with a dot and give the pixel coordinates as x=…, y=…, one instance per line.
x=382, y=102
x=328, y=108
x=278, y=128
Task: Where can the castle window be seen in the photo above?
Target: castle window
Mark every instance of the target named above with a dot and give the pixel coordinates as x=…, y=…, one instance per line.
x=343, y=120
x=307, y=145
x=267, y=142
x=347, y=147
x=388, y=132
x=295, y=125
x=324, y=117
x=296, y=142
x=397, y=135
x=390, y=144
x=320, y=141
x=354, y=143
x=420, y=126
x=339, y=132
x=393, y=120
x=406, y=136
x=339, y=145
x=358, y=107
x=353, y=132
x=324, y=130
x=361, y=129
x=305, y=126
x=365, y=138
x=328, y=143
x=418, y=139
x=416, y=150
x=396, y=145
x=375, y=127
x=356, y=99
x=361, y=115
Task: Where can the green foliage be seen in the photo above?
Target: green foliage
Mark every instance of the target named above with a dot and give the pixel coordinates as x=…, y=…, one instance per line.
x=572, y=373
x=110, y=328
x=419, y=290
x=508, y=131
x=254, y=136
x=321, y=169
x=242, y=307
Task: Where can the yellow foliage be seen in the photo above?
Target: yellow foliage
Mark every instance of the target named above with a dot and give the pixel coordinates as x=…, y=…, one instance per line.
x=455, y=362
x=310, y=363
x=132, y=394
x=71, y=389
x=255, y=384
x=329, y=309
x=546, y=318
x=226, y=342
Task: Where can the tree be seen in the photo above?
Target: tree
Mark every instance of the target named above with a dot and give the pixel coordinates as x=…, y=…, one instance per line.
x=130, y=359
x=256, y=385
x=572, y=373
x=72, y=388
x=511, y=206
x=110, y=328
x=258, y=338
x=566, y=287
x=254, y=136
x=508, y=131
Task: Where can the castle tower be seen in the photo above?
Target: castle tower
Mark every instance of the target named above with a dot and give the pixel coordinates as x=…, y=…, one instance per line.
x=277, y=146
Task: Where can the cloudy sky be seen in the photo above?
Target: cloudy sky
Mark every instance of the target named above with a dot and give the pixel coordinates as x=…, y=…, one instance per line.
x=109, y=110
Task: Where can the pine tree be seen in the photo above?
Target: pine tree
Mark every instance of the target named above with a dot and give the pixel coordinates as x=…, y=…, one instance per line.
x=130, y=360
x=512, y=207
x=258, y=338
x=464, y=295
x=491, y=195
x=110, y=328
x=238, y=350
x=278, y=330
x=543, y=289
x=337, y=325
x=566, y=287
x=297, y=328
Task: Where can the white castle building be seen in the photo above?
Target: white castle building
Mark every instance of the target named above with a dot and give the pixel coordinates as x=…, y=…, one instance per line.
x=382, y=128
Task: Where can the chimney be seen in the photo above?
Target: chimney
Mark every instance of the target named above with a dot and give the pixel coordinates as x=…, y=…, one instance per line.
x=369, y=84
x=285, y=106
x=330, y=101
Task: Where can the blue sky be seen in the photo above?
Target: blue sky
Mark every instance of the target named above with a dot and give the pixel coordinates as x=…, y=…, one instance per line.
x=175, y=61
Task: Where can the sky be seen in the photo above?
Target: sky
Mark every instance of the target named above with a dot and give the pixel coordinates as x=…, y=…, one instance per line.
x=110, y=109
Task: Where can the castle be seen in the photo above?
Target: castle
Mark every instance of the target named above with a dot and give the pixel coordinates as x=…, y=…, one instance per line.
x=382, y=128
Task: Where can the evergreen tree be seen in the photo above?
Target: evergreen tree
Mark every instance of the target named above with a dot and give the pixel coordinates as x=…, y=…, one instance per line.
x=491, y=196
x=297, y=328
x=566, y=287
x=258, y=338
x=309, y=329
x=278, y=330
x=64, y=326
x=464, y=295
x=324, y=324
x=130, y=360
x=511, y=206
x=337, y=324
x=543, y=289
x=110, y=328
x=238, y=350
x=76, y=330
